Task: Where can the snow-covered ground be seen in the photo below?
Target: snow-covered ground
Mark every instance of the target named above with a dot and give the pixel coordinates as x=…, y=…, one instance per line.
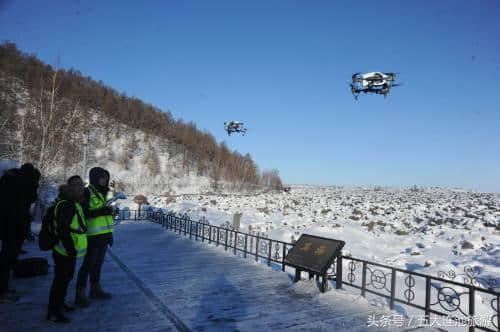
x=429, y=230
x=448, y=229
x=167, y=282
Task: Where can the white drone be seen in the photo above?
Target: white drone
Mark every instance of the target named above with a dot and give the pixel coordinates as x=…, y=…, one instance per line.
x=373, y=82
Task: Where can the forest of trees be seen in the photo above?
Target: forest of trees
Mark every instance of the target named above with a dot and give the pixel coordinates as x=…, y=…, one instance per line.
x=60, y=101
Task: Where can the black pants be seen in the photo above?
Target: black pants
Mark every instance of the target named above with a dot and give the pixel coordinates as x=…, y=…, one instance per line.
x=8, y=258
x=92, y=264
x=64, y=271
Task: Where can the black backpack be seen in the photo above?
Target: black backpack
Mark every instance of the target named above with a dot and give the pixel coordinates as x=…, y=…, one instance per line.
x=31, y=267
x=47, y=237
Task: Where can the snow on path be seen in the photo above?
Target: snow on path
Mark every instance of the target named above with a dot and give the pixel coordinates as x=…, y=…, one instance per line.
x=129, y=310
x=162, y=281
x=210, y=289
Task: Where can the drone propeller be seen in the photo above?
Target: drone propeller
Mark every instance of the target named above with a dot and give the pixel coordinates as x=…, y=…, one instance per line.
x=355, y=77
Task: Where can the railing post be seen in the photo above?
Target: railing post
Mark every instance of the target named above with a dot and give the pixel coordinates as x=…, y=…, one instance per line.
x=324, y=283
x=472, y=302
x=393, y=288
x=202, y=233
x=498, y=312
x=269, y=253
x=363, y=282
x=338, y=273
x=246, y=241
x=235, y=241
x=135, y=215
x=186, y=226
x=283, y=257
x=257, y=249
x=190, y=229
x=297, y=275
x=209, y=234
x=218, y=233
x=196, y=234
x=427, y=299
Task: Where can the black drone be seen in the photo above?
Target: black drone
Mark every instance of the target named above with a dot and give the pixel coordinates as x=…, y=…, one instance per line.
x=374, y=82
x=235, y=127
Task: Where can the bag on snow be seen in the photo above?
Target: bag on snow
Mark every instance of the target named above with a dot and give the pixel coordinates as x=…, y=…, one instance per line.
x=31, y=267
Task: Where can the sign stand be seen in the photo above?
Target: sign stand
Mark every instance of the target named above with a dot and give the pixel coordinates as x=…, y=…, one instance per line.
x=315, y=255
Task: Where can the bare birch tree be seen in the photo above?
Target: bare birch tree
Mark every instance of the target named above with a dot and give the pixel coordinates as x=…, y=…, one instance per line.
x=49, y=119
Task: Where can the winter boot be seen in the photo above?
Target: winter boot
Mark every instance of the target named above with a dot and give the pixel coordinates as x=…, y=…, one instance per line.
x=96, y=292
x=57, y=316
x=81, y=299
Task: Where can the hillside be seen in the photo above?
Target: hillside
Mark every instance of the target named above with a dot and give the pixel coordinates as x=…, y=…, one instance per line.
x=65, y=122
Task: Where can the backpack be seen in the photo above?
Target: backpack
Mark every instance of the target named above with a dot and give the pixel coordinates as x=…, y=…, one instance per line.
x=31, y=267
x=47, y=237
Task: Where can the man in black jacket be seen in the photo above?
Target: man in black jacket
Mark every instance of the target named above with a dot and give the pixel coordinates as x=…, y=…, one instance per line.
x=18, y=190
x=99, y=236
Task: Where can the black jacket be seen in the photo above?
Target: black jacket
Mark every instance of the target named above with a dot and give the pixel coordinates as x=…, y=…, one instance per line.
x=18, y=190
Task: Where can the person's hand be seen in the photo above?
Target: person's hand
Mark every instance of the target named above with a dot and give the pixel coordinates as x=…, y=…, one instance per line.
x=72, y=253
x=107, y=210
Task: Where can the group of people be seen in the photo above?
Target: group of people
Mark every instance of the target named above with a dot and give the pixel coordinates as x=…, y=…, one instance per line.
x=83, y=227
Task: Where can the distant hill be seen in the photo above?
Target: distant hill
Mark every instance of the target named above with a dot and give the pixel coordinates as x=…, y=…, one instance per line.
x=63, y=122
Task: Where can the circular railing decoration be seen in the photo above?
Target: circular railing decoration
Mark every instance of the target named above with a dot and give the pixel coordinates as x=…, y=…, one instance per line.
x=409, y=293
x=471, y=277
x=240, y=241
x=350, y=276
x=277, y=251
x=263, y=248
x=449, y=299
x=377, y=279
x=494, y=306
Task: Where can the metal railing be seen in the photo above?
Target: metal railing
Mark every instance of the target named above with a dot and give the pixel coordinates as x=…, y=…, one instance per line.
x=443, y=297
x=261, y=248
x=457, y=301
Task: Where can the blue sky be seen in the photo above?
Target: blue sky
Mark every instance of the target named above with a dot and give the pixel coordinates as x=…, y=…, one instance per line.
x=283, y=68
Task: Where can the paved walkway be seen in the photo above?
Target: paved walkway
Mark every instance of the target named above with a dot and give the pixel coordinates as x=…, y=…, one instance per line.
x=163, y=281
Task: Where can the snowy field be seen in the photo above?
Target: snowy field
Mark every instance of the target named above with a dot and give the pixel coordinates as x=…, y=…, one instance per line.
x=426, y=230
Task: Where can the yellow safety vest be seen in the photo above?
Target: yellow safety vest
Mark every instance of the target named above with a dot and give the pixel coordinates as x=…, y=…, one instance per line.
x=77, y=232
x=102, y=224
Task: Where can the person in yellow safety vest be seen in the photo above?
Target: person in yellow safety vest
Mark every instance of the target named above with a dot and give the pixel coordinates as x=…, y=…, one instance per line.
x=99, y=236
x=70, y=229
